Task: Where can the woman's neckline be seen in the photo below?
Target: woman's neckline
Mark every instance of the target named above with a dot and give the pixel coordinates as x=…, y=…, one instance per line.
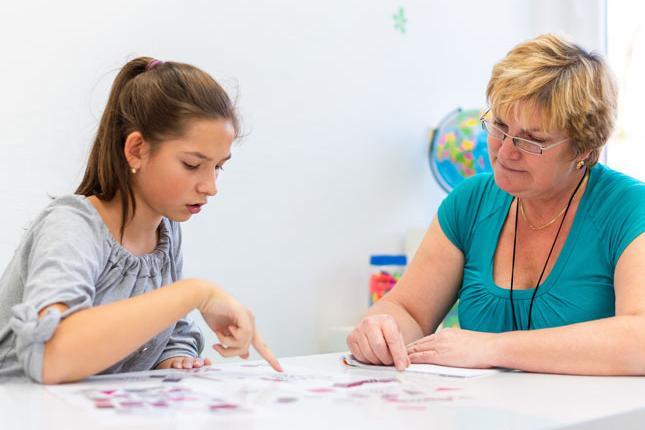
x=556, y=269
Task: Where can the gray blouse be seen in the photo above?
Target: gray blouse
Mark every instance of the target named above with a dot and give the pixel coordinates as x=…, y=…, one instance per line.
x=69, y=256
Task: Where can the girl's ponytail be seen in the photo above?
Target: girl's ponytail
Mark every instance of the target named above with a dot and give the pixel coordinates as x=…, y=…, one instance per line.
x=157, y=99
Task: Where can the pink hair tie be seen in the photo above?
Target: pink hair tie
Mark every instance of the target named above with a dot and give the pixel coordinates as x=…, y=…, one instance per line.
x=152, y=64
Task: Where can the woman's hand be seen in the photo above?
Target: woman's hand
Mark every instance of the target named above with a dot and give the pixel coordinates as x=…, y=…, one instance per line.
x=378, y=340
x=234, y=326
x=454, y=347
x=182, y=362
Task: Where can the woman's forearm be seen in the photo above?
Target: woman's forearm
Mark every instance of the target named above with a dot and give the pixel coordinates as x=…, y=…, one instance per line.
x=410, y=328
x=91, y=340
x=610, y=346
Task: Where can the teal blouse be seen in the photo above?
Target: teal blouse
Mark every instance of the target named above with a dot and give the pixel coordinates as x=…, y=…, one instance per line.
x=580, y=287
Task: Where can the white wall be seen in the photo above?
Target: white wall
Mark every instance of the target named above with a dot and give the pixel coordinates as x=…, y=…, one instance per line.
x=336, y=103
x=626, y=54
x=584, y=21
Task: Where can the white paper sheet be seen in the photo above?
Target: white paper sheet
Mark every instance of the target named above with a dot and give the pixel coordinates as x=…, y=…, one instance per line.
x=458, y=372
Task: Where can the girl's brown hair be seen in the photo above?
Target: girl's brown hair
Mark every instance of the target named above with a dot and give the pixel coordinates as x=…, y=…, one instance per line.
x=157, y=99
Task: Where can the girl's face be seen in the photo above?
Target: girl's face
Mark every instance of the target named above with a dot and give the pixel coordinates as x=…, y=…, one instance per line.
x=529, y=175
x=177, y=178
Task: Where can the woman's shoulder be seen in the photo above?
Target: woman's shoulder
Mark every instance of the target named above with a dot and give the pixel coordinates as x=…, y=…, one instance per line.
x=613, y=190
x=474, y=201
x=477, y=184
x=610, y=175
x=479, y=192
x=615, y=207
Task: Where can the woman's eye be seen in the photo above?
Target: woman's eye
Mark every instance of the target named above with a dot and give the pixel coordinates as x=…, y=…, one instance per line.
x=536, y=139
x=219, y=168
x=190, y=166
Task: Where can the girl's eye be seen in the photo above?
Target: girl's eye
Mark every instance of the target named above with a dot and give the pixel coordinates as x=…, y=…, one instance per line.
x=190, y=166
x=219, y=168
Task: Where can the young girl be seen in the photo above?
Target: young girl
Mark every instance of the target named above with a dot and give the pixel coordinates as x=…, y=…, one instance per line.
x=95, y=286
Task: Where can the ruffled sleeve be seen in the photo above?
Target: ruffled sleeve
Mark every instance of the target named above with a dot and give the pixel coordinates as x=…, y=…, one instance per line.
x=186, y=341
x=31, y=335
x=61, y=259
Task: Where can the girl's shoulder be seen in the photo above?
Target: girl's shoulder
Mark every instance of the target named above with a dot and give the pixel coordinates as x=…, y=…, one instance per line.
x=71, y=218
x=69, y=211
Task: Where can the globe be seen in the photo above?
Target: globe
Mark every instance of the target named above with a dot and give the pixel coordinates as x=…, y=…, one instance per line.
x=458, y=148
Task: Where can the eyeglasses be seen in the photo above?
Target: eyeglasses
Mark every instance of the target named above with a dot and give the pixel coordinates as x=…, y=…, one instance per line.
x=529, y=146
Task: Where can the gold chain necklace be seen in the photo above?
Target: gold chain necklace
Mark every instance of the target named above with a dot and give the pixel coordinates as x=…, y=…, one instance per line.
x=534, y=227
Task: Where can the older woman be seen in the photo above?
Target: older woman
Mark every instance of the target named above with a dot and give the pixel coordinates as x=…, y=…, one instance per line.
x=546, y=254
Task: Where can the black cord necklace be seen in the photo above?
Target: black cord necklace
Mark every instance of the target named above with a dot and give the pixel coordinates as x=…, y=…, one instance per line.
x=537, y=285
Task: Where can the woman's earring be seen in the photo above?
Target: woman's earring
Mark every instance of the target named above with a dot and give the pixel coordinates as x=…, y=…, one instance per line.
x=133, y=170
x=580, y=164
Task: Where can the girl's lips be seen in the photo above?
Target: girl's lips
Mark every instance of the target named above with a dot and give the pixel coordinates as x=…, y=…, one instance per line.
x=193, y=209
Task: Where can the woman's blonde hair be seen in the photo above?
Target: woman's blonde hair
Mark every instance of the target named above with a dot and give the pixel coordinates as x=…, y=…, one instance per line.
x=573, y=89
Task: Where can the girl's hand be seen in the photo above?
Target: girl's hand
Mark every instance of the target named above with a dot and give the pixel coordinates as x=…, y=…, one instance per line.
x=454, y=347
x=234, y=326
x=378, y=340
x=183, y=363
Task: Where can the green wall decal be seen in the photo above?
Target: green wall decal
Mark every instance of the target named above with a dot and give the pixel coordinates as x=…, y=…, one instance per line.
x=400, y=20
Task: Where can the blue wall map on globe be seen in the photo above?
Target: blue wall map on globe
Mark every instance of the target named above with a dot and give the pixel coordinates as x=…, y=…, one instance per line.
x=458, y=148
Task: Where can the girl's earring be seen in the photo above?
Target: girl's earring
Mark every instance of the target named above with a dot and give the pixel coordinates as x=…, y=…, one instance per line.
x=133, y=170
x=580, y=164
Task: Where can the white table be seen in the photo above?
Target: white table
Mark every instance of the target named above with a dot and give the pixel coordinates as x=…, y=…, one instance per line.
x=510, y=400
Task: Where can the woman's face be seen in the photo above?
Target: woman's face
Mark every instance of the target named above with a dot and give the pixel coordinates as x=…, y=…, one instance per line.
x=527, y=175
x=181, y=174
